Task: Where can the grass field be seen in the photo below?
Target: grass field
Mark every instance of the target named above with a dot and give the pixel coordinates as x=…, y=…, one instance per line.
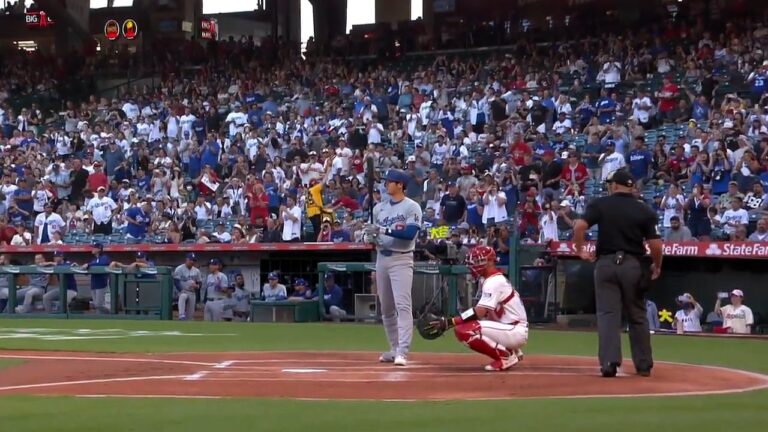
x=704, y=413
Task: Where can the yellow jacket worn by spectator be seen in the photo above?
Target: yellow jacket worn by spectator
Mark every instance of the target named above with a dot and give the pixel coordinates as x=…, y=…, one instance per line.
x=314, y=204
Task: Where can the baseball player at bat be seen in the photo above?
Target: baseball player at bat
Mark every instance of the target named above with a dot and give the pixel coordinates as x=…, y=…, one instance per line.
x=396, y=223
x=498, y=325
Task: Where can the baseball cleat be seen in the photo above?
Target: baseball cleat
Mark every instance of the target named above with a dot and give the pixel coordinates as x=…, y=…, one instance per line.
x=502, y=364
x=519, y=354
x=400, y=360
x=387, y=357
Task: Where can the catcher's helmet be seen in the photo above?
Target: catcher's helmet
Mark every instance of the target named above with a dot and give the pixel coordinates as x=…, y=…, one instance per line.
x=478, y=258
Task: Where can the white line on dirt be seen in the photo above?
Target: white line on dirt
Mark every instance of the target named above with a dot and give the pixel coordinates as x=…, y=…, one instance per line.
x=111, y=359
x=96, y=381
x=224, y=364
x=196, y=376
x=148, y=396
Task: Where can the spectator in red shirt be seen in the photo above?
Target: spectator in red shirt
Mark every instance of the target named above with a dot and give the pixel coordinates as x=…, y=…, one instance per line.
x=574, y=172
x=258, y=201
x=344, y=200
x=6, y=231
x=667, y=99
x=98, y=178
x=529, y=211
x=519, y=149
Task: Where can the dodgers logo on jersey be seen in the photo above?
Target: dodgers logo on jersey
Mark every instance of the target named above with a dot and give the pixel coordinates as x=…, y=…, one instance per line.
x=393, y=220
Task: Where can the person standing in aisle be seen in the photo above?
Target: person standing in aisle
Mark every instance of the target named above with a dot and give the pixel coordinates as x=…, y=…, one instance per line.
x=623, y=272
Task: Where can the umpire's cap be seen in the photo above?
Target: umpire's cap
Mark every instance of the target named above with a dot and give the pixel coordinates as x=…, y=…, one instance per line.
x=621, y=177
x=397, y=176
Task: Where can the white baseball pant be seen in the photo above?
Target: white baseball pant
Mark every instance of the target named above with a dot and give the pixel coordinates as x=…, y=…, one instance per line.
x=53, y=295
x=187, y=302
x=394, y=280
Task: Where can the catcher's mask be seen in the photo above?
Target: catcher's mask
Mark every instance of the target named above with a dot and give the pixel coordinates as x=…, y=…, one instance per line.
x=477, y=260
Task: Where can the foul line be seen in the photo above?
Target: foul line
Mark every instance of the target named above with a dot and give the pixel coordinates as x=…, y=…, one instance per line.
x=96, y=381
x=112, y=359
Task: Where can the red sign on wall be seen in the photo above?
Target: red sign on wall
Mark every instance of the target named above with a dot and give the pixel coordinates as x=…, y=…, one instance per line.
x=38, y=19
x=728, y=249
x=209, y=29
x=130, y=29
x=112, y=30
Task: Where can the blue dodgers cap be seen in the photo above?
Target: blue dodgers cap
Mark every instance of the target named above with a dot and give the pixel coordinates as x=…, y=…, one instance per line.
x=272, y=276
x=214, y=261
x=397, y=176
x=141, y=255
x=98, y=246
x=300, y=282
x=58, y=253
x=330, y=275
x=191, y=256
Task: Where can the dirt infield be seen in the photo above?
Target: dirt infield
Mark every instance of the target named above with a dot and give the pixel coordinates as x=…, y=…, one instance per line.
x=348, y=376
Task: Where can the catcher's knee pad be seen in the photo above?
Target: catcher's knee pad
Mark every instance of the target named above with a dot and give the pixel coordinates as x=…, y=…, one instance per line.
x=470, y=334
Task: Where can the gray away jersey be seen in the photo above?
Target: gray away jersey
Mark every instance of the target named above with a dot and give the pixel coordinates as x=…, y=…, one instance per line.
x=396, y=217
x=215, y=285
x=186, y=276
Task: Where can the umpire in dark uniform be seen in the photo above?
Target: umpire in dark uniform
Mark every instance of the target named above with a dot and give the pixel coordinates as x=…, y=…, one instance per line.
x=623, y=272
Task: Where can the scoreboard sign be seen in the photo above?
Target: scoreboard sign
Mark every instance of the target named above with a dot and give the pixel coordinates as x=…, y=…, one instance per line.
x=209, y=29
x=112, y=30
x=130, y=29
x=38, y=19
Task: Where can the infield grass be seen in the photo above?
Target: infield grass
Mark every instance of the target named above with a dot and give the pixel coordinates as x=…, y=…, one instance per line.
x=705, y=413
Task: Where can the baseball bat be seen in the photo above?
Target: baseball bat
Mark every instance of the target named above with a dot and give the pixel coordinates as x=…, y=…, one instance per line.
x=370, y=184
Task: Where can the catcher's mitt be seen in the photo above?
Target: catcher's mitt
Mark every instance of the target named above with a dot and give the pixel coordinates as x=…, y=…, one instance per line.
x=429, y=326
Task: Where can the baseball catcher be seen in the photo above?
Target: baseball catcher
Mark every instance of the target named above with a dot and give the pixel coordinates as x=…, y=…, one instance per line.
x=498, y=326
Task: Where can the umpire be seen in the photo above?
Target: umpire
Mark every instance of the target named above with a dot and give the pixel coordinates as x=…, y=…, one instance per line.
x=623, y=272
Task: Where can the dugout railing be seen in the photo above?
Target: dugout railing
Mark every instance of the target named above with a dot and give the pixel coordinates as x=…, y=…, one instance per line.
x=141, y=294
x=451, y=290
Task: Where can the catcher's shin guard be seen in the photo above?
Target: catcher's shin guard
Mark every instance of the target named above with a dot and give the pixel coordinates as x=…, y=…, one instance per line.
x=470, y=334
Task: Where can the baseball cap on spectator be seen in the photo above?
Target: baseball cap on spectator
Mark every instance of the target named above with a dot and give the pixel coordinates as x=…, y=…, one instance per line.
x=610, y=143
x=411, y=159
x=101, y=189
x=621, y=177
x=737, y=292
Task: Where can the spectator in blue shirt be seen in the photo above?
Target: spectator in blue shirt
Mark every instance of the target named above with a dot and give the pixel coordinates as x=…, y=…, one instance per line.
x=640, y=161
x=339, y=234
x=333, y=297
x=138, y=220
x=606, y=107
x=22, y=197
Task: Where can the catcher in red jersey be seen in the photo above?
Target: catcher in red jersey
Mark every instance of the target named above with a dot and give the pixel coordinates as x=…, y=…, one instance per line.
x=498, y=325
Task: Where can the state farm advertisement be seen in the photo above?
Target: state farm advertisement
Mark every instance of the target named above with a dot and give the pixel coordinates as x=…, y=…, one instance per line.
x=735, y=250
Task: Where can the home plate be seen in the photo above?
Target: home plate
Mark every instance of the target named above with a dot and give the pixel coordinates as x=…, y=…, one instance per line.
x=304, y=370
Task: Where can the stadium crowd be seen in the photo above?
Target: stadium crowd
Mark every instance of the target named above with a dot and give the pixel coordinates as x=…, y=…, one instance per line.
x=247, y=150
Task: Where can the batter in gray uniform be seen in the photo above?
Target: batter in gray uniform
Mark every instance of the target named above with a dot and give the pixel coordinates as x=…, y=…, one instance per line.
x=396, y=224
